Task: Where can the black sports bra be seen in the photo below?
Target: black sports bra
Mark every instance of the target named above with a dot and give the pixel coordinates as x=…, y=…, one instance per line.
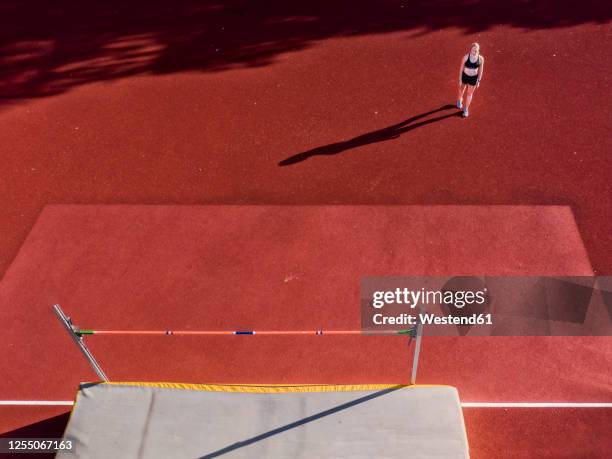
x=472, y=65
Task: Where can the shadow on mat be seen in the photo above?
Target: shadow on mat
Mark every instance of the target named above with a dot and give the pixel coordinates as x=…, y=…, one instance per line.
x=299, y=423
x=381, y=135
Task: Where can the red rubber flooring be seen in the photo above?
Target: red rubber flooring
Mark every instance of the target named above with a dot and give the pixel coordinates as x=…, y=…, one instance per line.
x=127, y=104
x=282, y=267
x=526, y=433
x=536, y=135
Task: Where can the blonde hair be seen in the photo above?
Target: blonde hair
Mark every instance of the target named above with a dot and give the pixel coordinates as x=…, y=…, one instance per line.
x=477, y=45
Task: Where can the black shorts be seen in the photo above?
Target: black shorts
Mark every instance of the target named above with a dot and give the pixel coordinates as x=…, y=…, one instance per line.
x=467, y=79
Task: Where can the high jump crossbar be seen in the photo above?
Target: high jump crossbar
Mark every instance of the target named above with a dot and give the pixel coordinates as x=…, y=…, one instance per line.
x=77, y=334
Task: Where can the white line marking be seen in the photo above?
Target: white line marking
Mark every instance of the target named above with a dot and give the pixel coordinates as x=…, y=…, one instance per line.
x=534, y=405
x=36, y=403
x=463, y=404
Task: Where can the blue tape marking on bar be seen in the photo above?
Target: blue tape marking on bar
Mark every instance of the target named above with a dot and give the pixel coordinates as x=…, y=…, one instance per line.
x=244, y=333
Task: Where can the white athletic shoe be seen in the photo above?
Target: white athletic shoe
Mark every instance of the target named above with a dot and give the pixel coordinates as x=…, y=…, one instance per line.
x=459, y=105
x=465, y=113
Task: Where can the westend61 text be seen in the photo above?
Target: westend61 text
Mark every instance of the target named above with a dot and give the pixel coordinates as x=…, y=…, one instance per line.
x=432, y=319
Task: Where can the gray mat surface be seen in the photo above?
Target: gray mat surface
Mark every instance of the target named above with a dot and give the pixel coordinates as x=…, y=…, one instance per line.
x=122, y=421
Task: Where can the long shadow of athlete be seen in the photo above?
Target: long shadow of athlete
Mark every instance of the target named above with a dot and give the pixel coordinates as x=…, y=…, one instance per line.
x=388, y=133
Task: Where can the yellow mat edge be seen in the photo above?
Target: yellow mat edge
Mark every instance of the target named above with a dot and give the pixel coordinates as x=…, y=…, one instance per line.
x=273, y=388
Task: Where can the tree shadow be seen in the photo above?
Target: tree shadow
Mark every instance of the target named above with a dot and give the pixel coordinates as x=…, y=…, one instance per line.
x=49, y=48
x=381, y=135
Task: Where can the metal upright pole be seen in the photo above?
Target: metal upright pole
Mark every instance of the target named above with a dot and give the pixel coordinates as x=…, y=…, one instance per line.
x=417, y=349
x=72, y=331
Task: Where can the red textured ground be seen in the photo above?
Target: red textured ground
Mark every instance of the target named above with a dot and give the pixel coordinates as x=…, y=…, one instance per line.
x=559, y=433
x=281, y=267
x=148, y=106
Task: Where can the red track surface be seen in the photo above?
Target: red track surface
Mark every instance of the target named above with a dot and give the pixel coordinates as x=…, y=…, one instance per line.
x=282, y=267
x=538, y=134
x=153, y=130
x=527, y=433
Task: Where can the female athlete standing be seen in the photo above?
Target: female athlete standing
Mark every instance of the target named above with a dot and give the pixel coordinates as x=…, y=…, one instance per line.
x=470, y=74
